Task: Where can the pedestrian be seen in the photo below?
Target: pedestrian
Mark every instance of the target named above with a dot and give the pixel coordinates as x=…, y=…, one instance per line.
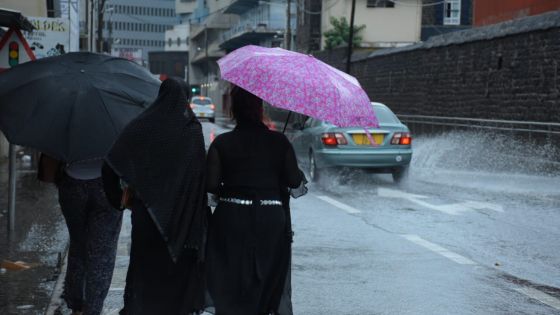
x=250, y=169
x=159, y=160
x=93, y=225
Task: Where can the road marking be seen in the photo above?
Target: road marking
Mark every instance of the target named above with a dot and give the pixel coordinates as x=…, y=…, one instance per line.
x=451, y=209
x=540, y=296
x=339, y=205
x=116, y=289
x=438, y=249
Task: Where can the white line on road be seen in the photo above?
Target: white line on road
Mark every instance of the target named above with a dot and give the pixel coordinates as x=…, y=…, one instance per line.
x=339, y=204
x=452, y=209
x=438, y=249
x=540, y=296
x=116, y=289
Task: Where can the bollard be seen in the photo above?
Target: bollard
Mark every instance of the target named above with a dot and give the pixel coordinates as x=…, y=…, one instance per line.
x=12, y=190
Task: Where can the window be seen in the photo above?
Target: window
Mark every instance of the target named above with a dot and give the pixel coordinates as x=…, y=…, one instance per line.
x=380, y=4
x=178, y=41
x=452, y=12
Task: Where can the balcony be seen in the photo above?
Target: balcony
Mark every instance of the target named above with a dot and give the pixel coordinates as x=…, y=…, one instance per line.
x=254, y=26
x=214, y=52
x=241, y=6
x=216, y=21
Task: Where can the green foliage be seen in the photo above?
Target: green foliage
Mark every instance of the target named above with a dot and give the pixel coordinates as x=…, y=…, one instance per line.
x=340, y=33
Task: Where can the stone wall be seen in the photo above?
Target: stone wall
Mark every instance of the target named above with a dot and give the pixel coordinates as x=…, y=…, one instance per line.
x=508, y=71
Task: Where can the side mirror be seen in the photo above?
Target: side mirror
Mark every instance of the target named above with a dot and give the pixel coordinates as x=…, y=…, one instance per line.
x=297, y=126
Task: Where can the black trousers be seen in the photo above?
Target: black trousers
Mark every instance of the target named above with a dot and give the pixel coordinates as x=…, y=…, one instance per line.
x=94, y=227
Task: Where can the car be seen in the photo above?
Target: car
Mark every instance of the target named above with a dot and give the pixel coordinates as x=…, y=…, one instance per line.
x=321, y=145
x=203, y=107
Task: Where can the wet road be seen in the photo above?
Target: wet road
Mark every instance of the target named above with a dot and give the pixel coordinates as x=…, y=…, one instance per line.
x=446, y=241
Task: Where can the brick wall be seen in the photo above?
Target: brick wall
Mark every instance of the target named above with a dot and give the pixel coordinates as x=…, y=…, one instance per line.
x=514, y=77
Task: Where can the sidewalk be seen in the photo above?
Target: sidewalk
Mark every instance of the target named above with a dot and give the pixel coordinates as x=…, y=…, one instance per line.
x=39, y=240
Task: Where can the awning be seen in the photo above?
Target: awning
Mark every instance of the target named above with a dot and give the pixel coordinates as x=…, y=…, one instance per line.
x=11, y=18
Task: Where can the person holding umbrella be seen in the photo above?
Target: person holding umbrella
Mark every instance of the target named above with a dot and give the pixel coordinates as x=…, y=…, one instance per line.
x=160, y=159
x=72, y=107
x=93, y=225
x=250, y=169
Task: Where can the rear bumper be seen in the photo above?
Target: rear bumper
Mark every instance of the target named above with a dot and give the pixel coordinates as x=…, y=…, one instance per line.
x=204, y=113
x=381, y=158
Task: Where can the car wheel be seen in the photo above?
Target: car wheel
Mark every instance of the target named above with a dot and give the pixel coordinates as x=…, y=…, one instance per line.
x=212, y=120
x=400, y=173
x=313, y=172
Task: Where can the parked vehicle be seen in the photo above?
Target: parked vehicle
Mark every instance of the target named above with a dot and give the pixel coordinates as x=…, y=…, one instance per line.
x=203, y=107
x=321, y=145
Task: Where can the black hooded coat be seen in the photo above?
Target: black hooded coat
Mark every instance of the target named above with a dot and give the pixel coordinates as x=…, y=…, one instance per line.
x=161, y=157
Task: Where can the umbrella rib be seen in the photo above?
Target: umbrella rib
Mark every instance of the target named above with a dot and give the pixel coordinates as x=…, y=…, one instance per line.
x=105, y=109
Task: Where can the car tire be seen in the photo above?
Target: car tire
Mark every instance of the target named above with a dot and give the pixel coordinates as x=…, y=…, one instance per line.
x=212, y=120
x=400, y=174
x=313, y=171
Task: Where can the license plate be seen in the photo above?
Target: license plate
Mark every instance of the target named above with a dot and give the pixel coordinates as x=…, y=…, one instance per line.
x=362, y=138
x=202, y=114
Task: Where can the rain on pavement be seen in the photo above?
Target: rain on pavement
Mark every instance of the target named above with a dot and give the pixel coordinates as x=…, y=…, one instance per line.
x=446, y=241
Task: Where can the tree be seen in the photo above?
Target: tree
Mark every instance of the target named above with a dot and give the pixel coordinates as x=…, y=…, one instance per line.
x=340, y=32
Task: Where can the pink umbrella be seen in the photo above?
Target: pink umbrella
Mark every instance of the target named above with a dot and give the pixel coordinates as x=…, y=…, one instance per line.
x=299, y=83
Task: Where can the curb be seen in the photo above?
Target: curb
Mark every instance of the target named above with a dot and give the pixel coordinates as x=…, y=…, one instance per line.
x=56, y=297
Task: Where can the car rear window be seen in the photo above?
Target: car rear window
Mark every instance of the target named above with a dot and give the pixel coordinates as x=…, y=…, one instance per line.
x=201, y=101
x=385, y=115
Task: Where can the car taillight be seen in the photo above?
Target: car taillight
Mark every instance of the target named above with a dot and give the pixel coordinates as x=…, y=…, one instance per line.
x=332, y=139
x=212, y=106
x=193, y=106
x=401, y=138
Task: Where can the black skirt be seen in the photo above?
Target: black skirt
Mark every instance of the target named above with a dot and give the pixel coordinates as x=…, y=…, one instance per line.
x=248, y=260
x=155, y=284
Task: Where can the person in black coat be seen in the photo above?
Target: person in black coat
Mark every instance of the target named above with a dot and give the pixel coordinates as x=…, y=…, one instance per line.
x=160, y=160
x=250, y=170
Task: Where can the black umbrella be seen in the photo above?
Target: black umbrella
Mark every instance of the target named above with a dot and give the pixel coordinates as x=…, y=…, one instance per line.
x=73, y=106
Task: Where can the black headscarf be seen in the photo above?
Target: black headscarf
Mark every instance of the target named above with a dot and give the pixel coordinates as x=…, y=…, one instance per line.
x=161, y=156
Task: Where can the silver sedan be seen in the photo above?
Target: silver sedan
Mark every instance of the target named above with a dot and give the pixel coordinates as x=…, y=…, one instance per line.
x=321, y=145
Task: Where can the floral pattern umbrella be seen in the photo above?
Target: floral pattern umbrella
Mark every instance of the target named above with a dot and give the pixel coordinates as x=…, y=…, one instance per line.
x=299, y=83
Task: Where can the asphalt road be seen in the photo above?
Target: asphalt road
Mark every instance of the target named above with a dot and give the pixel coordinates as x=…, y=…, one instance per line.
x=449, y=240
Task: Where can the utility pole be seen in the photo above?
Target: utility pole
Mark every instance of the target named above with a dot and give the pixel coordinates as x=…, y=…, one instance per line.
x=206, y=56
x=351, y=38
x=100, y=12
x=90, y=25
x=289, y=25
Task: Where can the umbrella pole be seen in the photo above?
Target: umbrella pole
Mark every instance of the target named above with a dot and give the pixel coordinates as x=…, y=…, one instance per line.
x=287, y=120
x=12, y=190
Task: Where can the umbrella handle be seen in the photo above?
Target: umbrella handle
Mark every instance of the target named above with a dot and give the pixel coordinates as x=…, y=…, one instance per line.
x=287, y=120
x=371, y=141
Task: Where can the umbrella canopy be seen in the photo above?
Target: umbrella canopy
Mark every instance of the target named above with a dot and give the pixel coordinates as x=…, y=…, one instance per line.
x=299, y=83
x=73, y=106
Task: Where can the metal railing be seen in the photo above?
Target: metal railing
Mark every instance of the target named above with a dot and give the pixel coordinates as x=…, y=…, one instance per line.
x=529, y=127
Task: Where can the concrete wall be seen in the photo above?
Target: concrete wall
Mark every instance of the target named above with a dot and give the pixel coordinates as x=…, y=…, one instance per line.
x=393, y=26
x=27, y=7
x=482, y=73
x=177, y=38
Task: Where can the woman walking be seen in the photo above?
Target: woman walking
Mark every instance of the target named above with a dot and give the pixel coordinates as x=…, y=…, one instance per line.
x=93, y=225
x=249, y=242
x=160, y=157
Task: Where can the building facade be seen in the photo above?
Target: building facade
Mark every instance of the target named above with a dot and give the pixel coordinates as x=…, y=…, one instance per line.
x=137, y=27
x=446, y=16
x=387, y=23
x=219, y=27
x=488, y=12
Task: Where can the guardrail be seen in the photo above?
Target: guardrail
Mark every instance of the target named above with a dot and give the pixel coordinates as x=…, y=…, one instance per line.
x=529, y=127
